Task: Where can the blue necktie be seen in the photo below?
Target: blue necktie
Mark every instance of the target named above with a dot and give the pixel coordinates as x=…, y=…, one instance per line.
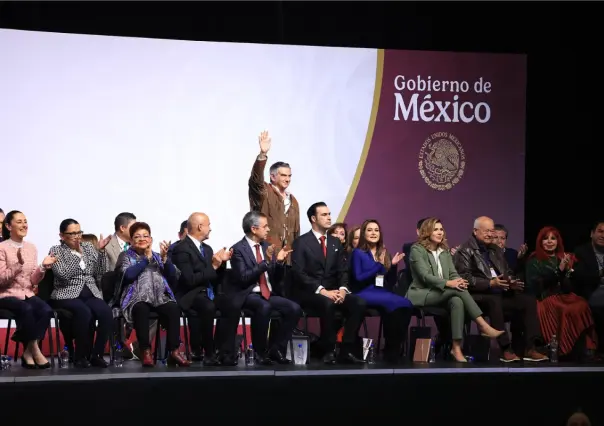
x=210, y=286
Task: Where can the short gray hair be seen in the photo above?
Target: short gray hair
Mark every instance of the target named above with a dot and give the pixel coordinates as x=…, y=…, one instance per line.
x=251, y=219
x=275, y=167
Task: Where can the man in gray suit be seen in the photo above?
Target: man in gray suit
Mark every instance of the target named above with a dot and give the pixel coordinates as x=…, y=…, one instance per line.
x=120, y=240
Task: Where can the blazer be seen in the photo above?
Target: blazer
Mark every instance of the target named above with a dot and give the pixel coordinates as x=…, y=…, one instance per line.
x=245, y=272
x=586, y=276
x=70, y=278
x=364, y=269
x=18, y=280
x=424, y=271
x=112, y=251
x=311, y=269
x=196, y=272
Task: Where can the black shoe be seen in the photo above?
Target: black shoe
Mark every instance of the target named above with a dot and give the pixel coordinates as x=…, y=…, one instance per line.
x=329, y=358
x=24, y=364
x=82, y=363
x=42, y=366
x=278, y=357
x=228, y=361
x=196, y=356
x=211, y=361
x=349, y=358
x=264, y=360
x=98, y=361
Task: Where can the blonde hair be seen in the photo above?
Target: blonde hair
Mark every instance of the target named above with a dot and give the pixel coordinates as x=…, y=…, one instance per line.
x=425, y=232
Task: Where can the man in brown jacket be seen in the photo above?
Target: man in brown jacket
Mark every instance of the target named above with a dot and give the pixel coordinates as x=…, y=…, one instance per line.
x=273, y=199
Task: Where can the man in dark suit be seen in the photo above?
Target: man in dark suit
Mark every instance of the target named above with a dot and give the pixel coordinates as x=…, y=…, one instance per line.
x=182, y=233
x=320, y=279
x=255, y=285
x=201, y=272
x=588, y=277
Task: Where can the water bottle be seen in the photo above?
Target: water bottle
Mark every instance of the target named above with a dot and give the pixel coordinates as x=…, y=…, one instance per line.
x=249, y=356
x=432, y=354
x=5, y=362
x=553, y=349
x=64, y=358
x=371, y=355
x=300, y=355
x=118, y=360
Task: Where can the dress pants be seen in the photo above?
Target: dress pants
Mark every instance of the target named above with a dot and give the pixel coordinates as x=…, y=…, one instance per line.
x=202, y=327
x=32, y=315
x=353, y=309
x=169, y=317
x=521, y=309
x=459, y=303
x=85, y=310
x=289, y=311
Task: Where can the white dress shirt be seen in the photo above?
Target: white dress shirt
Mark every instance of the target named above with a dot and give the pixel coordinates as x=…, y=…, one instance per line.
x=253, y=244
x=436, y=253
x=318, y=237
x=121, y=242
x=196, y=242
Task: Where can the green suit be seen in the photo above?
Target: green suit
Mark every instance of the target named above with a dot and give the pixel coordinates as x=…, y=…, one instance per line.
x=429, y=289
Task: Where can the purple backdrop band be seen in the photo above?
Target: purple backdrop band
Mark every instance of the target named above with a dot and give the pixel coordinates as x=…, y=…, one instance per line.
x=448, y=141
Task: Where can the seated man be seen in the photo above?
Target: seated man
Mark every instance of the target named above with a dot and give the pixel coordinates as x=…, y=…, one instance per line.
x=320, y=279
x=257, y=275
x=483, y=265
x=201, y=271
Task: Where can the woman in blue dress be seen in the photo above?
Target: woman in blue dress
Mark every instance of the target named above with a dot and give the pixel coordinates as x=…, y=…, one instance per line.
x=372, y=277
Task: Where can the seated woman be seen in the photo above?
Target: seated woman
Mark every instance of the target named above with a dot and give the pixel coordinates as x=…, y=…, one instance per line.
x=561, y=312
x=145, y=288
x=372, y=273
x=19, y=278
x=78, y=272
x=436, y=282
x=352, y=241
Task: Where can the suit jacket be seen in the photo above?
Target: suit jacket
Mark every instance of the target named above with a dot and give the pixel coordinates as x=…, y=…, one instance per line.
x=18, y=280
x=586, y=275
x=472, y=266
x=196, y=271
x=424, y=271
x=311, y=269
x=245, y=272
x=112, y=252
x=70, y=278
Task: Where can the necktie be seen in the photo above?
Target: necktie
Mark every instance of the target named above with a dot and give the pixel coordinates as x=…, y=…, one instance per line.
x=210, y=288
x=266, y=293
x=126, y=246
x=323, y=246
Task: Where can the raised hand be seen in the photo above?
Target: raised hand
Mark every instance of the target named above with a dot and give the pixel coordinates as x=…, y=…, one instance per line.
x=164, y=246
x=283, y=255
x=397, y=258
x=226, y=254
x=522, y=250
x=20, y=257
x=264, y=140
x=103, y=241
x=48, y=261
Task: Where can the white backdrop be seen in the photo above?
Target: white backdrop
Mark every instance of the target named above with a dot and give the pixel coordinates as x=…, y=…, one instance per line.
x=93, y=125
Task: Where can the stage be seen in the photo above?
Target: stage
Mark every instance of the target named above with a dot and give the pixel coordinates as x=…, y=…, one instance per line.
x=427, y=394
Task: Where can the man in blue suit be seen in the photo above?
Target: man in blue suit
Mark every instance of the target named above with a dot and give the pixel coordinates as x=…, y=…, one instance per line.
x=255, y=284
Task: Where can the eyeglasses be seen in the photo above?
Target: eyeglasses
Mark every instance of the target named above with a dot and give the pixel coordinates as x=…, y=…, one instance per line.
x=73, y=234
x=141, y=237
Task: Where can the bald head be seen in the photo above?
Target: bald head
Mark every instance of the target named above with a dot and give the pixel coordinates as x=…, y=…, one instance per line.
x=198, y=226
x=484, y=229
x=578, y=419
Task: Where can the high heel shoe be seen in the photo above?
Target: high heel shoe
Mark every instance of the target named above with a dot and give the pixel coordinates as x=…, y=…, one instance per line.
x=491, y=333
x=25, y=364
x=456, y=359
x=42, y=366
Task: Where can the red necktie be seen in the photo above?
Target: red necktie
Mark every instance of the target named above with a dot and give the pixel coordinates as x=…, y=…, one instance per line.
x=266, y=293
x=323, y=246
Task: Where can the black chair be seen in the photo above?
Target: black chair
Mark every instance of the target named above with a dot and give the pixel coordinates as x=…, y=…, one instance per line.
x=10, y=317
x=275, y=316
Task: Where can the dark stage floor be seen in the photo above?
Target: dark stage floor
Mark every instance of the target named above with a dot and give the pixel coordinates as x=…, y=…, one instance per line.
x=426, y=394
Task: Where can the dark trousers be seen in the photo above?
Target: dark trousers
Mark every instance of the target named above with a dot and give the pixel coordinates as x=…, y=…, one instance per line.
x=520, y=308
x=289, y=312
x=169, y=317
x=87, y=309
x=353, y=309
x=396, y=327
x=31, y=314
x=202, y=326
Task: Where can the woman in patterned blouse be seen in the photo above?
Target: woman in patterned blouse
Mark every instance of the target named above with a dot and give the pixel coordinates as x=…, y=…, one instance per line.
x=19, y=277
x=145, y=288
x=78, y=272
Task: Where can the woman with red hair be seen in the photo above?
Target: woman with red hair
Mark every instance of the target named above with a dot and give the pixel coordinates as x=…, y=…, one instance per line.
x=561, y=312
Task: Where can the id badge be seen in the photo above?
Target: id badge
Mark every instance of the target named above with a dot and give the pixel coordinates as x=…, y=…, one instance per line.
x=379, y=281
x=493, y=273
